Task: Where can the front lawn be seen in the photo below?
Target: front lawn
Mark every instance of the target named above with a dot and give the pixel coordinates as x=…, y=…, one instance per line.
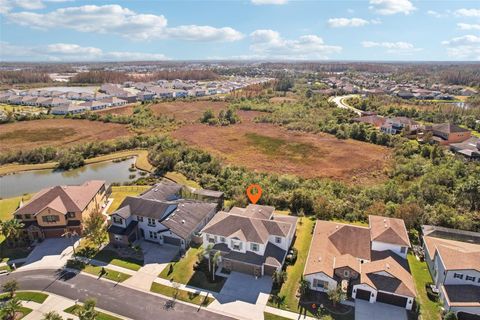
x=37, y=297
x=183, y=272
x=183, y=295
x=114, y=258
x=294, y=272
x=429, y=310
x=271, y=316
x=110, y=275
x=100, y=316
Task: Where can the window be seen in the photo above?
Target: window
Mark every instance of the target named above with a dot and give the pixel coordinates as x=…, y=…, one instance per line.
x=140, y=219
x=254, y=247
x=28, y=216
x=470, y=278
x=151, y=222
x=236, y=246
x=278, y=240
x=51, y=218
x=320, y=283
x=346, y=273
x=70, y=214
x=117, y=220
x=403, y=249
x=153, y=235
x=118, y=238
x=211, y=239
x=458, y=275
x=222, y=239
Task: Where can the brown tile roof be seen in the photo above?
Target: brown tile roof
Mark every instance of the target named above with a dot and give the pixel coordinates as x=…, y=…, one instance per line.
x=456, y=255
x=462, y=295
x=333, y=239
x=388, y=230
x=372, y=275
x=246, y=228
x=448, y=128
x=63, y=198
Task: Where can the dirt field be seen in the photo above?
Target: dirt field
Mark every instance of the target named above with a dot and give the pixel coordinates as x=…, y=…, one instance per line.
x=27, y=135
x=269, y=148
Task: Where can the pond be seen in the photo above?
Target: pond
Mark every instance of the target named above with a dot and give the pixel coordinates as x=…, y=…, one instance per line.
x=32, y=181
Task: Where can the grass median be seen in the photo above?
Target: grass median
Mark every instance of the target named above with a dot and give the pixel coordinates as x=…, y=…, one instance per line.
x=183, y=295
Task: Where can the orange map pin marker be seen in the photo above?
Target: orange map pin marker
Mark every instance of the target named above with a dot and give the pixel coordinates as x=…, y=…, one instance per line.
x=254, y=197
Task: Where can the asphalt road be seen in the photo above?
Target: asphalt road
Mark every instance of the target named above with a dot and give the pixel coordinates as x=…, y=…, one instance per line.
x=118, y=299
x=341, y=104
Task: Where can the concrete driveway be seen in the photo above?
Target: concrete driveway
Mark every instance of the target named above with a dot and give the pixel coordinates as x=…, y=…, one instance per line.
x=243, y=296
x=156, y=258
x=378, y=311
x=51, y=253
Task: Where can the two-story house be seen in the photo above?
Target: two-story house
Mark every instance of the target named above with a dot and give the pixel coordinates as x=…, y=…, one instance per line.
x=369, y=263
x=168, y=213
x=447, y=133
x=251, y=240
x=54, y=211
x=453, y=258
x=397, y=124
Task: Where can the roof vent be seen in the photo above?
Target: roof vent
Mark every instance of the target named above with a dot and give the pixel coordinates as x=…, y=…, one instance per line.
x=155, y=190
x=183, y=221
x=387, y=266
x=319, y=259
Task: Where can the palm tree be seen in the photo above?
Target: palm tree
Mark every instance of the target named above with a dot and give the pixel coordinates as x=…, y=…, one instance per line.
x=11, y=308
x=52, y=315
x=207, y=252
x=87, y=311
x=11, y=228
x=11, y=287
x=304, y=286
x=215, y=259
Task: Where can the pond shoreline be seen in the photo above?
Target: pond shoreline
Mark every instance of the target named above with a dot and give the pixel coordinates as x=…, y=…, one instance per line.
x=14, y=168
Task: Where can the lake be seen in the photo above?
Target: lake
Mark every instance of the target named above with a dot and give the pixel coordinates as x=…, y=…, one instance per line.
x=32, y=181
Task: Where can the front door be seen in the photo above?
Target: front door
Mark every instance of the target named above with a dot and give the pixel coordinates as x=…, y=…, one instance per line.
x=142, y=233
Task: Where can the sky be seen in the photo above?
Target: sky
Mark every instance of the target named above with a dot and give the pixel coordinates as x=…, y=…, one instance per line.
x=122, y=30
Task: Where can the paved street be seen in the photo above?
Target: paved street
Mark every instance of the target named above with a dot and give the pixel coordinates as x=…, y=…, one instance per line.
x=114, y=298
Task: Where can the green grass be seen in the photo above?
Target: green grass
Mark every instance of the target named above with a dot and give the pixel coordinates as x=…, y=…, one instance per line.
x=181, y=179
x=271, y=316
x=25, y=312
x=183, y=295
x=111, y=274
x=294, y=272
x=100, y=316
x=183, y=273
x=37, y=297
x=119, y=193
x=429, y=310
x=280, y=147
x=112, y=257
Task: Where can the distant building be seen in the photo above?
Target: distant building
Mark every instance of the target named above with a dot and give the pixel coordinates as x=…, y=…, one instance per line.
x=469, y=148
x=374, y=120
x=447, y=133
x=397, y=124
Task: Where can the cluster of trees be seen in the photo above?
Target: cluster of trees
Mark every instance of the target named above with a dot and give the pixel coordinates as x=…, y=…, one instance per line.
x=14, y=116
x=142, y=118
x=100, y=76
x=426, y=185
x=423, y=111
x=104, y=76
x=85, y=150
x=224, y=118
x=24, y=76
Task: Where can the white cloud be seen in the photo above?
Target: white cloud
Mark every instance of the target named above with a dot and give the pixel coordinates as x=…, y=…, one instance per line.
x=464, y=47
x=398, y=47
x=70, y=52
x=435, y=14
x=347, y=22
x=262, y=2
x=115, y=19
x=468, y=12
x=270, y=44
x=389, y=7
x=468, y=26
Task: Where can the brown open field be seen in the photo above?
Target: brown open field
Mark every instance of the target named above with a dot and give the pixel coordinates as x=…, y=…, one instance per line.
x=187, y=110
x=27, y=135
x=269, y=148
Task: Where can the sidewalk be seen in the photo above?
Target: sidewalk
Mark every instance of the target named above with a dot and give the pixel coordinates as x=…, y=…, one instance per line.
x=287, y=314
x=55, y=303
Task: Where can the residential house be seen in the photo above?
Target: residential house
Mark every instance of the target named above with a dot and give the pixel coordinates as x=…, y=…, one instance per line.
x=453, y=258
x=168, y=213
x=397, y=124
x=68, y=108
x=113, y=101
x=447, y=133
x=94, y=105
x=374, y=120
x=56, y=210
x=469, y=148
x=252, y=240
x=369, y=263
